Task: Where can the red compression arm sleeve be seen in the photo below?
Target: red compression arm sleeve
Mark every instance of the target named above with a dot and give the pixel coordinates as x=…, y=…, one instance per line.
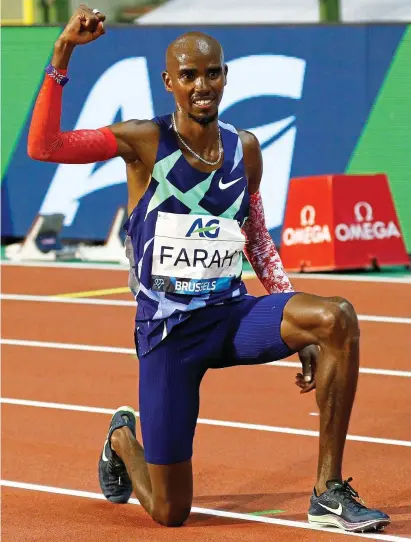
x=261, y=252
x=47, y=143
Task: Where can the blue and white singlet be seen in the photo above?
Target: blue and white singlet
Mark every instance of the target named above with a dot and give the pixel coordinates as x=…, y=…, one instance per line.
x=184, y=238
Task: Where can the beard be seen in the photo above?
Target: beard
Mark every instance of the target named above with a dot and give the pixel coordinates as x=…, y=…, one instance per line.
x=203, y=120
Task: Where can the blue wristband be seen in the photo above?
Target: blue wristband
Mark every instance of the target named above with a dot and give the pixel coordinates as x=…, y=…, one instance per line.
x=52, y=72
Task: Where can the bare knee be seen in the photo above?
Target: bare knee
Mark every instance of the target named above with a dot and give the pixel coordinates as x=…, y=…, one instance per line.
x=171, y=514
x=338, y=316
x=347, y=317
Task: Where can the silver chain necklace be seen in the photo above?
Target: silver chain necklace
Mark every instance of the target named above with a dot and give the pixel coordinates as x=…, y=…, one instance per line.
x=220, y=146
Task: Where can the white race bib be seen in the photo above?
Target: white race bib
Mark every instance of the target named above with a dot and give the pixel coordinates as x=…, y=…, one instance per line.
x=196, y=254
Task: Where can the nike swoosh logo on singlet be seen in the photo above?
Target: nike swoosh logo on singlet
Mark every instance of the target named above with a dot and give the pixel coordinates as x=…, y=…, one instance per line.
x=104, y=457
x=337, y=511
x=223, y=186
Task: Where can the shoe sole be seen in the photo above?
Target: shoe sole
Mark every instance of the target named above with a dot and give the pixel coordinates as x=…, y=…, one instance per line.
x=119, y=500
x=331, y=520
x=127, y=409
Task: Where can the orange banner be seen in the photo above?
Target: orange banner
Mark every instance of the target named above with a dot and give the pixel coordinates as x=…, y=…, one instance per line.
x=341, y=222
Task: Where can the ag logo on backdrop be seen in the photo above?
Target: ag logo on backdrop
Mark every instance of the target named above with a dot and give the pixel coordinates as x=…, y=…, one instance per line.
x=306, y=107
x=250, y=77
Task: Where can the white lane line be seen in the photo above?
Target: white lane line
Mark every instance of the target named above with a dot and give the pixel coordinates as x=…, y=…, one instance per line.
x=131, y=351
x=87, y=266
x=123, y=303
x=363, y=370
x=67, y=265
x=58, y=406
x=248, y=274
x=68, y=300
x=350, y=278
x=205, y=511
x=383, y=319
x=69, y=346
x=205, y=421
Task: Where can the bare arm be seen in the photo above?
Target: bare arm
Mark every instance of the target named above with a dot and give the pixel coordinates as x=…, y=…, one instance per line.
x=260, y=249
x=138, y=178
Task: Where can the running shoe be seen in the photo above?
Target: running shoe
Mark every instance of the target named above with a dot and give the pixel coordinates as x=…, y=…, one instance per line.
x=339, y=507
x=114, y=481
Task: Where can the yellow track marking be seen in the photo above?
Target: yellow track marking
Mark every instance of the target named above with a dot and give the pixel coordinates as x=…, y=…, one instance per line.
x=93, y=293
x=124, y=290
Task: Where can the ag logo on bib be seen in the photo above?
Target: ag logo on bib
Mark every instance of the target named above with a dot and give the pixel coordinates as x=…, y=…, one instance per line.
x=210, y=229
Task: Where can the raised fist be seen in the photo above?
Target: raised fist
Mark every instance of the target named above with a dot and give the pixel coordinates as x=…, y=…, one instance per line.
x=84, y=26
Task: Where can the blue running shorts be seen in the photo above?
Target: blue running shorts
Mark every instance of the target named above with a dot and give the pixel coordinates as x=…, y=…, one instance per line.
x=245, y=332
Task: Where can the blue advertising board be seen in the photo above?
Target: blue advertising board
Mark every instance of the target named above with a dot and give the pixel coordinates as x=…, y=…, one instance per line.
x=306, y=92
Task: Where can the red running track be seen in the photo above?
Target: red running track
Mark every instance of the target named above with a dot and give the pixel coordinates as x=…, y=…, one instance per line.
x=242, y=470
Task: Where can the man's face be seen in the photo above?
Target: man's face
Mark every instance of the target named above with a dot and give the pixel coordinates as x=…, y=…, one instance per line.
x=196, y=75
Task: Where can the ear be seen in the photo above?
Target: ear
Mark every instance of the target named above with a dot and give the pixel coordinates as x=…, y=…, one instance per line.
x=225, y=74
x=167, y=81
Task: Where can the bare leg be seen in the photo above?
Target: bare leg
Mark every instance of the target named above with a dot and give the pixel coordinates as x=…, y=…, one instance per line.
x=332, y=324
x=164, y=491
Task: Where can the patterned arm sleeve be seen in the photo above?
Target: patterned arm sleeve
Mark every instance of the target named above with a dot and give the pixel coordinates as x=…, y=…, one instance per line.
x=261, y=252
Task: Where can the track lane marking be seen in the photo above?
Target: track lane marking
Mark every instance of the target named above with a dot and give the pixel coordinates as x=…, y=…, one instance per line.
x=363, y=370
x=93, y=293
x=205, y=421
x=131, y=351
x=205, y=511
x=68, y=300
x=122, y=303
x=246, y=274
